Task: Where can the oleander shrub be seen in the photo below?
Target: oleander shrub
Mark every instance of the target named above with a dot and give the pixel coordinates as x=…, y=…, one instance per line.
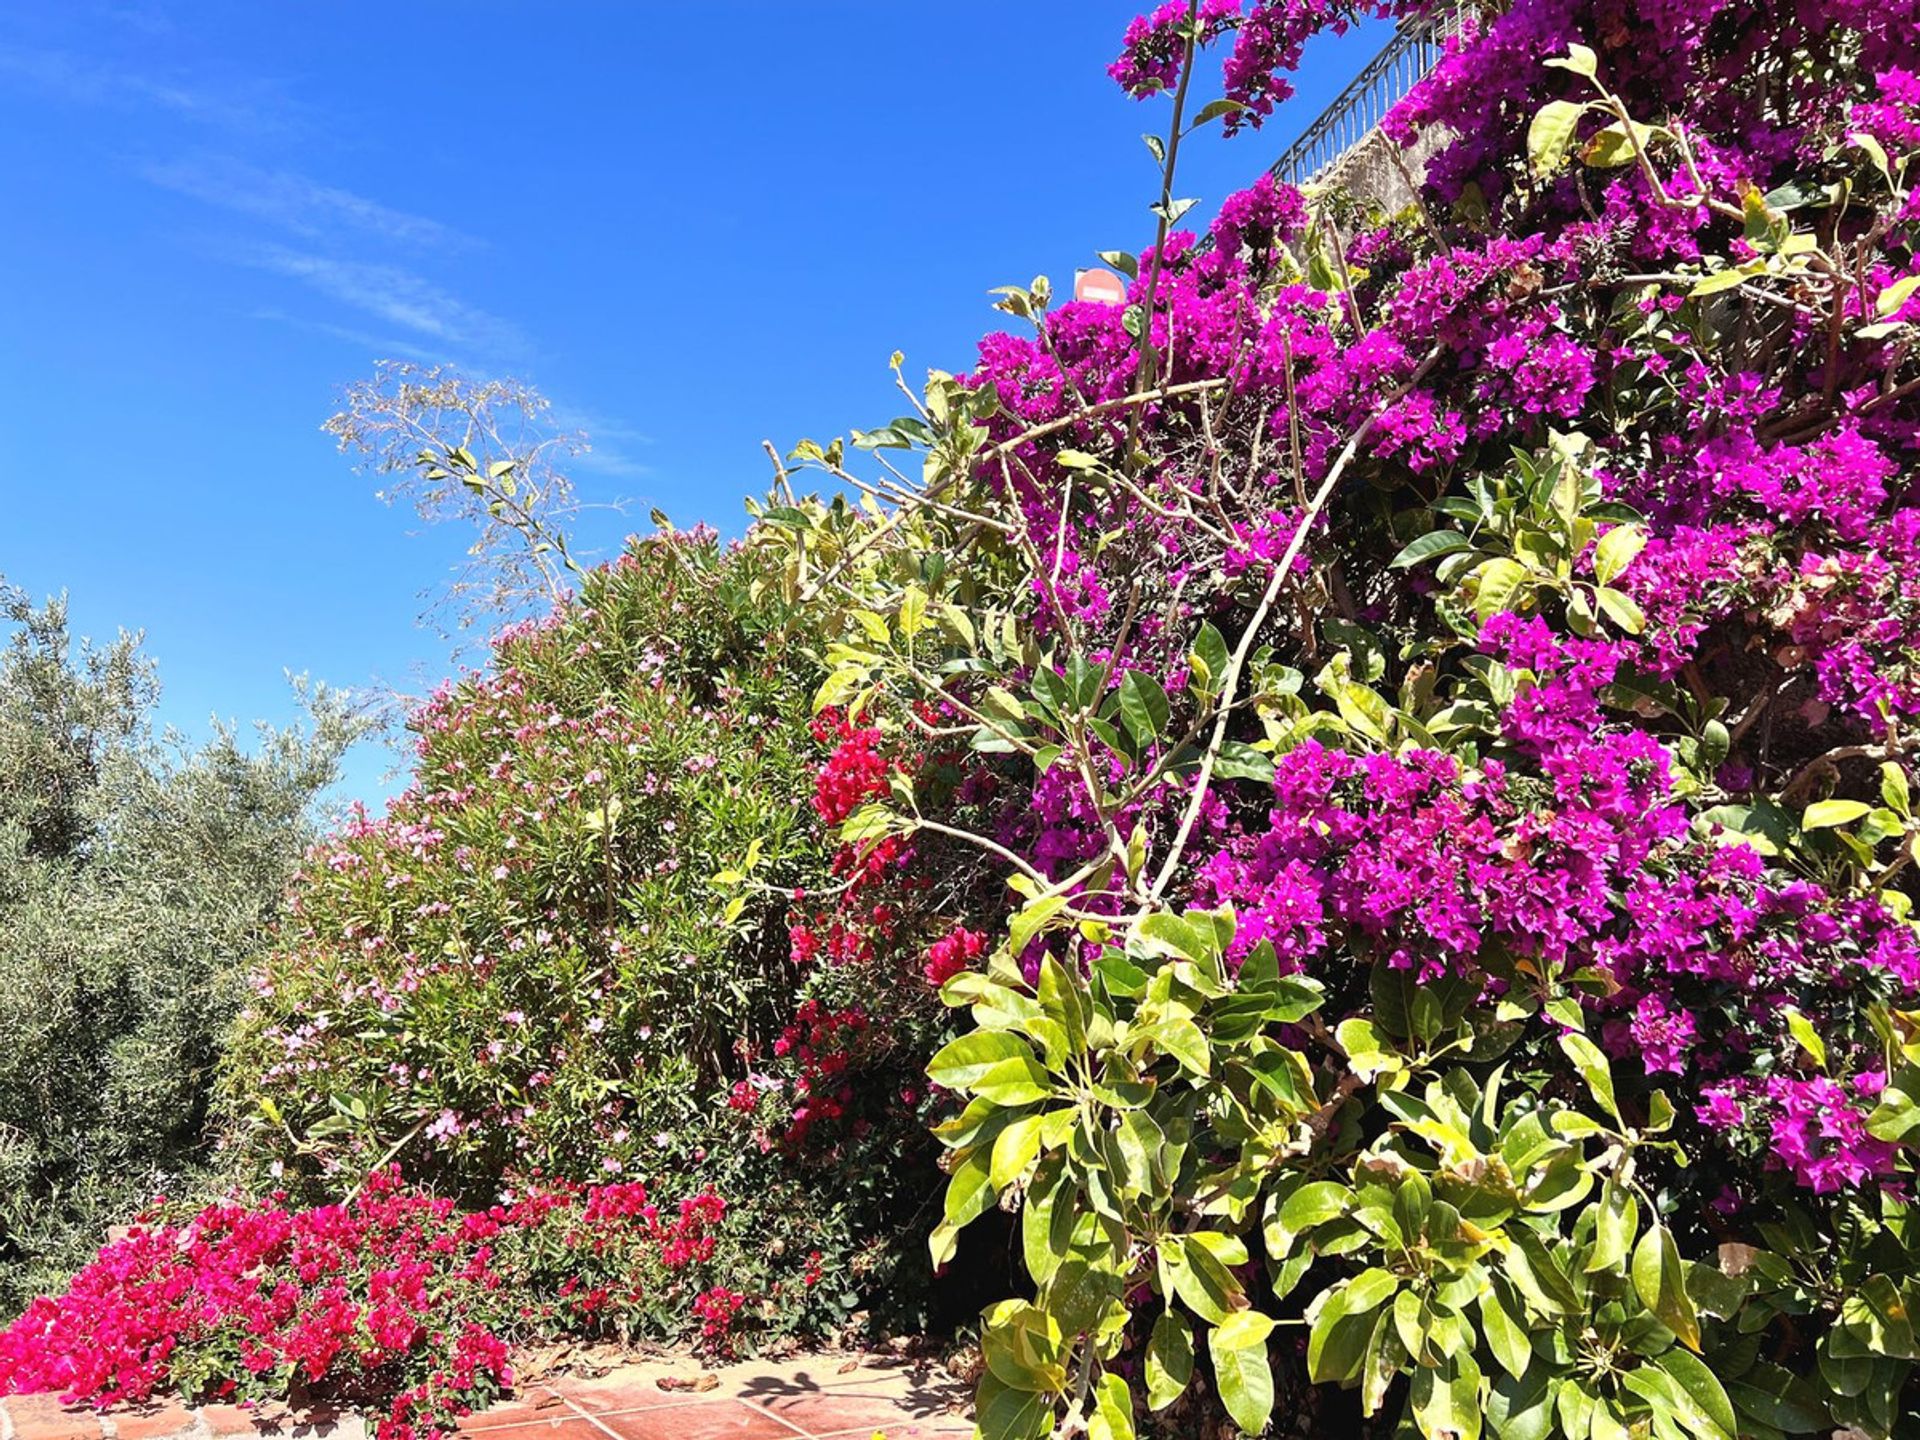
x=1437, y=691
x=136, y=876
x=605, y=934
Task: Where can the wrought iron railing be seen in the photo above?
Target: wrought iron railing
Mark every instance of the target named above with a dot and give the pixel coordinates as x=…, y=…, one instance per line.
x=1358, y=110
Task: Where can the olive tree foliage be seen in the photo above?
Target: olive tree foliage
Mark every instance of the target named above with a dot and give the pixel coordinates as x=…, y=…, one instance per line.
x=136, y=876
x=485, y=454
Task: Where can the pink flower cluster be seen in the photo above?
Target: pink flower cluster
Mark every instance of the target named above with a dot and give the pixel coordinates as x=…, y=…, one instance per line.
x=397, y=1294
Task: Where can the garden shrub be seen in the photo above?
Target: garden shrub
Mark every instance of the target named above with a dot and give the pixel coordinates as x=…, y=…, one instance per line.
x=564, y=952
x=1395, y=740
x=395, y=1299
x=1440, y=689
x=136, y=876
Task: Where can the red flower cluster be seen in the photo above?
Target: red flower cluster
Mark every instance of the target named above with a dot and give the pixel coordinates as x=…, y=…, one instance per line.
x=855, y=773
x=718, y=1308
x=821, y=1041
x=951, y=954
x=397, y=1293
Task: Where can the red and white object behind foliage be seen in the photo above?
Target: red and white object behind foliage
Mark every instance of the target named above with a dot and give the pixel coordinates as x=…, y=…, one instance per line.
x=1100, y=287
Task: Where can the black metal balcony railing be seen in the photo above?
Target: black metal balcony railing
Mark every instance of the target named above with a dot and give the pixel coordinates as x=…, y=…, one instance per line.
x=1358, y=110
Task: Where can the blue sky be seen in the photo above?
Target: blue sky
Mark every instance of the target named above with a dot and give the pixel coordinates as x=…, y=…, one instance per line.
x=693, y=226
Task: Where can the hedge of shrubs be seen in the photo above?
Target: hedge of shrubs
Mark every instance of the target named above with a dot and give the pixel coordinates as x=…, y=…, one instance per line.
x=1446, y=681
x=1391, y=746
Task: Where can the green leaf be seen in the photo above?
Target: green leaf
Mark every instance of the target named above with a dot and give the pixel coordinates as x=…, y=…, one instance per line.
x=1614, y=146
x=1720, y=280
x=1019, y=1081
x=1579, y=59
x=1341, y=1331
x=839, y=687
x=1615, y=1218
x=1504, y=1336
x=1240, y=761
x=1805, y=1035
x=1004, y=1413
x=1112, y=1410
x=1241, y=1330
x=1592, y=1064
x=1446, y=1400
x=1662, y=1285
x=1030, y=919
x=1046, y=1222
x=1775, y=1397
x=960, y=1064
x=1708, y=1397
x=1024, y=1347
x=1893, y=790
x=869, y=822
x=1430, y=546
x=1015, y=1148
x=1551, y=134
x=1314, y=1204
x=1143, y=706
x=1533, y=1269
x=1621, y=608
x=1616, y=551
x=1209, y=659
x=1898, y=1113
x=1169, y=1360
x=1896, y=295
x=969, y=1192
x=1495, y=584
x=1205, y=1284
x=1521, y=1409
x=1183, y=1040
x=1243, y=1372
x=1825, y=814
x=1214, y=109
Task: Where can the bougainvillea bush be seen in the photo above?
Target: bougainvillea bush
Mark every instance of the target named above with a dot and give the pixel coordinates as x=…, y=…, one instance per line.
x=1439, y=688
x=395, y=1299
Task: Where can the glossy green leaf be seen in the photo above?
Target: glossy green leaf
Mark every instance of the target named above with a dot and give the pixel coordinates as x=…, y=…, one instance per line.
x=1244, y=1375
x=1169, y=1360
x=961, y=1063
x=1144, y=706
x=1113, y=1410
x=1505, y=1338
x=1661, y=1285
x=1551, y=135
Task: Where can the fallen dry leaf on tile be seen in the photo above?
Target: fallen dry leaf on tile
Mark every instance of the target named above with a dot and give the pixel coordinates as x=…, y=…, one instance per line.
x=707, y=1381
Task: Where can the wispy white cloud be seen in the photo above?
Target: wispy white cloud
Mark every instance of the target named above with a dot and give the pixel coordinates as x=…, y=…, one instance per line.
x=80, y=80
x=395, y=296
x=378, y=347
x=610, y=443
x=296, y=203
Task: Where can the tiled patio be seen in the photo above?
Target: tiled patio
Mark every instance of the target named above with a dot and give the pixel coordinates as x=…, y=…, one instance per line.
x=822, y=1397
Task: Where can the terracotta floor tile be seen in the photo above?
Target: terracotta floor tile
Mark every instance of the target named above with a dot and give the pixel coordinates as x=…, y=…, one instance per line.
x=634, y=1395
x=910, y=1430
x=710, y=1420
x=518, y=1412
x=277, y=1421
x=571, y=1428
x=41, y=1417
x=152, y=1422
x=835, y=1411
